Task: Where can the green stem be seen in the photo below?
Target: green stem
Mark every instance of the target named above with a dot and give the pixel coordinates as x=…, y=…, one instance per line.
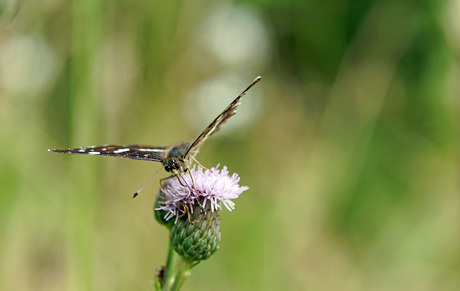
x=176, y=271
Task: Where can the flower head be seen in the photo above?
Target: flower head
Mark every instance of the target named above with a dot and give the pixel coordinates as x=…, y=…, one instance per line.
x=206, y=190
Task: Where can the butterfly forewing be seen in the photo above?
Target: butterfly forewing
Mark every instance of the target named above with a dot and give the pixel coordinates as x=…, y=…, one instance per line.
x=134, y=152
x=221, y=119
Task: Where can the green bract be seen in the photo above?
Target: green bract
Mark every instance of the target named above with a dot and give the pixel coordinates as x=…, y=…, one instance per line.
x=196, y=241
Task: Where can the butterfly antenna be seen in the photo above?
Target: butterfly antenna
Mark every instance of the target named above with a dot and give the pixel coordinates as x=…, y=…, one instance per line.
x=148, y=181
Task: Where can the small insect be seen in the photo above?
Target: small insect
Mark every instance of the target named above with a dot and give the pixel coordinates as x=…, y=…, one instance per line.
x=176, y=159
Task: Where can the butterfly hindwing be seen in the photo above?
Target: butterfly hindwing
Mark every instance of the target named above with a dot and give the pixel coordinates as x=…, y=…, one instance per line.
x=134, y=152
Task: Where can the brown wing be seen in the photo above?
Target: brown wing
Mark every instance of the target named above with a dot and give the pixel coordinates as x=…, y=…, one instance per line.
x=134, y=152
x=215, y=125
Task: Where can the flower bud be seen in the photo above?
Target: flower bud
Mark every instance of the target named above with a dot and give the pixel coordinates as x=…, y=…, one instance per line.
x=198, y=240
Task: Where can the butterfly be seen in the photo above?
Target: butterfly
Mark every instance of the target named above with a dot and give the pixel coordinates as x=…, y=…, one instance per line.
x=176, y=159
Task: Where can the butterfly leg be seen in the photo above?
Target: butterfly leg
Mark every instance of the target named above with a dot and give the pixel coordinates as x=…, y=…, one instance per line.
x=198, y=163
x=169, y=177
x=196, y=191
x=191, y=178
x=178, y=176
x=187, y=211
x=164, y=179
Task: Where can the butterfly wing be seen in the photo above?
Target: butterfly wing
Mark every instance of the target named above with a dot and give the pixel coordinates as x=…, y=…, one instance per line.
x=134, y=152
x=216, y=124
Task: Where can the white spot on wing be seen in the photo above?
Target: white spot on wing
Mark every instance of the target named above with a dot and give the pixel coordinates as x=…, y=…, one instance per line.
x=150, y=150
x=94, y=153
x=121, y=151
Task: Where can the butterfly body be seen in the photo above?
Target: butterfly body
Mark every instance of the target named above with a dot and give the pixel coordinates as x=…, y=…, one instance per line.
x=175, y=159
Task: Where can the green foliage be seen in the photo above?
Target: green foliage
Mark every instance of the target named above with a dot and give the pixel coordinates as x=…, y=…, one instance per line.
x=351, y=157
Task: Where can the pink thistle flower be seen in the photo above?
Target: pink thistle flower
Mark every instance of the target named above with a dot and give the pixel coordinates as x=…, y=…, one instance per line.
x=212, y=186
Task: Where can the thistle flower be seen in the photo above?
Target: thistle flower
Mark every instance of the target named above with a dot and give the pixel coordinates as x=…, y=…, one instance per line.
x=207, y=191
x=194, y=203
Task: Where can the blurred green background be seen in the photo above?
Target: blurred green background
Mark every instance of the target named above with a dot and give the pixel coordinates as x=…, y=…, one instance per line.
x=349, y=144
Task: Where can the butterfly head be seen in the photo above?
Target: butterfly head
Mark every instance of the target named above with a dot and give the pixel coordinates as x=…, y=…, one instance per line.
x=174, y=161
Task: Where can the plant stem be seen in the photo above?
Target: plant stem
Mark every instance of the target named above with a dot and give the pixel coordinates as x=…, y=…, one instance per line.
x=176, y=271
